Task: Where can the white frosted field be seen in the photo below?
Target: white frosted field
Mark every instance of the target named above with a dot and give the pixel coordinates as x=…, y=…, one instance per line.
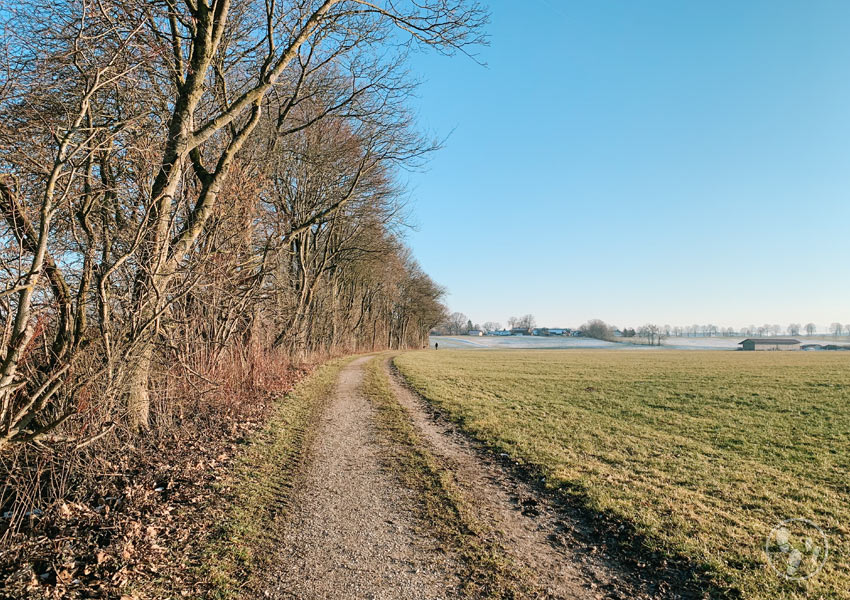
x=527, y=342
x=519, y=342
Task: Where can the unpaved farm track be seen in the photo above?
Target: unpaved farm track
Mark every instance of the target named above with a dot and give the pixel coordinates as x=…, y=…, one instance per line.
x=351, y=531
x=354, y=531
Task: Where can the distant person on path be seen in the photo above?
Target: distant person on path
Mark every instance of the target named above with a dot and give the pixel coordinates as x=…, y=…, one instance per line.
x=436, y=345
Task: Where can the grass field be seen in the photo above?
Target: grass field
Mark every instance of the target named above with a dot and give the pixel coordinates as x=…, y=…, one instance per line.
x=704, y=453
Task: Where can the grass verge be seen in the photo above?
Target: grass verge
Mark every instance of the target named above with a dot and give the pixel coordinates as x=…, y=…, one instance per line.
x=700, y=454
x=260, y=485
x=487, y=572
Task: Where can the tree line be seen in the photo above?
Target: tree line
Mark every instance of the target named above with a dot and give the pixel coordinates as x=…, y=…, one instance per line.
x=184, y=181
x=458, y=323
x=767, y=329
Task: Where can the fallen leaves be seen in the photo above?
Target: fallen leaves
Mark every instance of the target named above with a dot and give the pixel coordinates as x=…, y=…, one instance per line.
x=145, y=524
x=141, y=521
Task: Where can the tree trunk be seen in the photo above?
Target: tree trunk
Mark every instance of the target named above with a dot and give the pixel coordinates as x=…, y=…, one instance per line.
x=138, y=395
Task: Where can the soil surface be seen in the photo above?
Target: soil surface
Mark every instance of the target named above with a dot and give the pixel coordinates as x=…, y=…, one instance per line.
x=353, y=530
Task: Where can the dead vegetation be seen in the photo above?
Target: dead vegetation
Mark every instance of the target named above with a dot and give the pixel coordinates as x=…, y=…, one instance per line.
x=138, y=515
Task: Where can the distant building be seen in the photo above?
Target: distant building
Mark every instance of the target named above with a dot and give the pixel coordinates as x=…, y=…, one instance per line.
x=499, y=332
x=576, y=333
x=557, y=331
x=520, y=331
x=475, y=332
x=770, y=344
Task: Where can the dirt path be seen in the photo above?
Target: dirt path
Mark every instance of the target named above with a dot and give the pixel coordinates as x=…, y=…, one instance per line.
x=352, y=531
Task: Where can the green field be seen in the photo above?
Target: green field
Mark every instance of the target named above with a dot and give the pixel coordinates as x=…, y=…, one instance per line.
x=702, y=452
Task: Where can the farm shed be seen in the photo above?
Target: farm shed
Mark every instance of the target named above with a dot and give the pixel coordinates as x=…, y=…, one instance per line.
x=475, y=332
x=770, y=344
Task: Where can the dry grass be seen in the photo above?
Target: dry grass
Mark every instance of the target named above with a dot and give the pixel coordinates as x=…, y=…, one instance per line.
x=258, y=487
x=701, y=452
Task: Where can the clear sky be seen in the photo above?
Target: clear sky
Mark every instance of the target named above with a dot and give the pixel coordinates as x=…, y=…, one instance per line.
x=654, y=161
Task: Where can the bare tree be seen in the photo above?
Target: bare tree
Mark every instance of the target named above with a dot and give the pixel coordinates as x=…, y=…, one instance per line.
x=457, y=322
x=526, y=322
x=810, y=329
x=652, y=333
x=58, y=125
x=836, y=329
x=596, y=328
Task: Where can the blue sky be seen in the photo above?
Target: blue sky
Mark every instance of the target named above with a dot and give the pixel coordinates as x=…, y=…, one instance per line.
x=651, y=161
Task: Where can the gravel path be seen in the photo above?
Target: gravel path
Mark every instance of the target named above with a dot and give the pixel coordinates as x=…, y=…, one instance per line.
x=352, y=531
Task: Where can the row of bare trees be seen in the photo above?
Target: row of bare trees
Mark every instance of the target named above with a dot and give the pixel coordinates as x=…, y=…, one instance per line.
x=761, y=330
x=181, y=179
x=458, y=323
